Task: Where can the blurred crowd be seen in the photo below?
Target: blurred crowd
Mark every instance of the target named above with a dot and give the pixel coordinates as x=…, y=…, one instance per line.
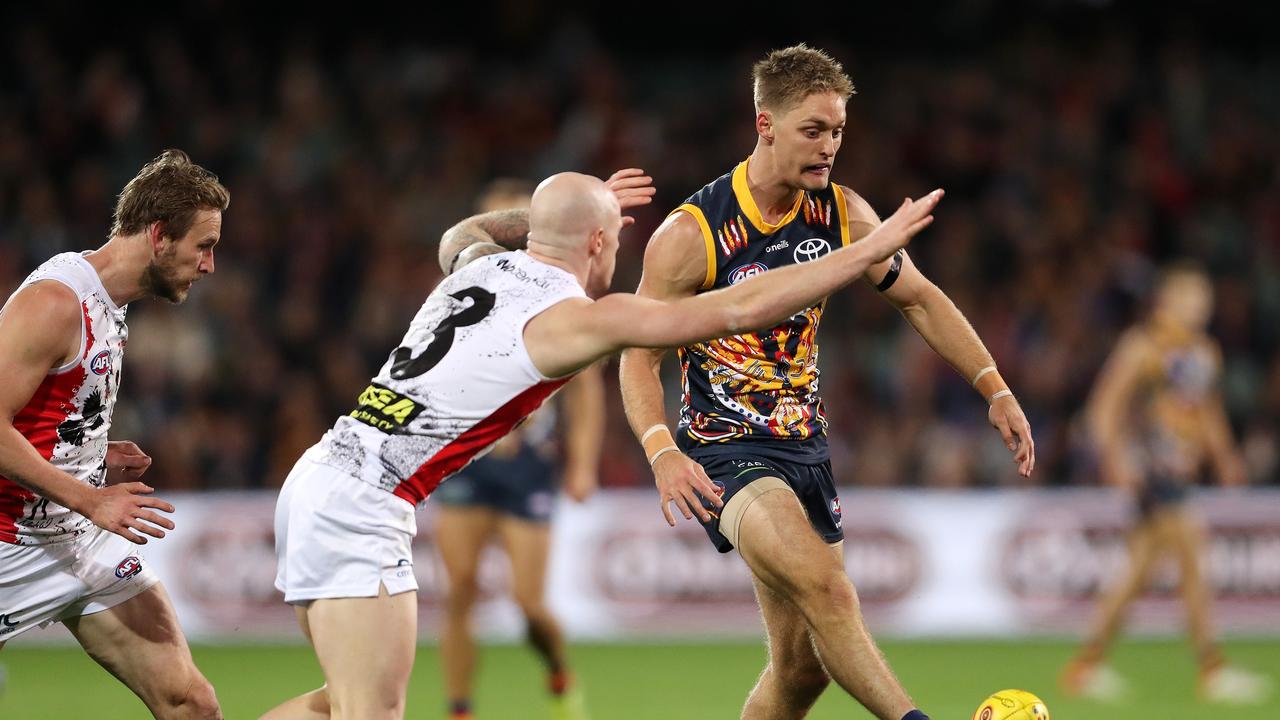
x=1074, y=167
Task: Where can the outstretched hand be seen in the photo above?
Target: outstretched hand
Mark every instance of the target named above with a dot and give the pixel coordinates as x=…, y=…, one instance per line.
x=632, y=188
x=894, y=233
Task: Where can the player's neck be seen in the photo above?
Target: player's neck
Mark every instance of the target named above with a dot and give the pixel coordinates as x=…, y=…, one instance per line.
x=1170, y=330
x=119, y=265
x=559, y=257
x=773, y=196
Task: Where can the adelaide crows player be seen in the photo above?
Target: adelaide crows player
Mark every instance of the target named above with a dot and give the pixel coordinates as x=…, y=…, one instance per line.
x=1157, y=419
x=752, y=431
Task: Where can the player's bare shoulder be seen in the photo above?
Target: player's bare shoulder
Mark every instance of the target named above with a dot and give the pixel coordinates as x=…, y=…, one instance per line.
x=675, y=260
x=42, y=320
x=1137, y=349
x=862, y=217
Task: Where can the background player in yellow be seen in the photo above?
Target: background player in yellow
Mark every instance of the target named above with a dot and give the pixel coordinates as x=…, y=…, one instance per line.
x=508, y=495
x=1156, y=419
x=752, y=430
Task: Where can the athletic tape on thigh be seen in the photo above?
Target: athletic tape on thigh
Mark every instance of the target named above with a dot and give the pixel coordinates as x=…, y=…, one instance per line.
x=731, y=514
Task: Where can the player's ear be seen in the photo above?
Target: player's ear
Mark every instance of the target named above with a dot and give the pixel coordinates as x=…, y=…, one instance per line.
x=156, y=235
x=596, y=245
x=764, y=125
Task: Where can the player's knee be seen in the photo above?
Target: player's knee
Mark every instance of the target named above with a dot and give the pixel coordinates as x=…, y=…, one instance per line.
x=387, y=700
x=462, y=593
x=532, y=606
x=204, y=702
x=800, y=679
x=828, y=592
x=195, y=700
x=804, y=681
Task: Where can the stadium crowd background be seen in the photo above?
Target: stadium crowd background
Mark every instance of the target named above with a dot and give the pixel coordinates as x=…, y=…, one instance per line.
x=1077, y=155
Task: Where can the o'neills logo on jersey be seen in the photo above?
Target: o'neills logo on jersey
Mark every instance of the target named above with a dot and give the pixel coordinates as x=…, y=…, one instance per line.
x=101, y=363
x=385, y=409
x=746, y=271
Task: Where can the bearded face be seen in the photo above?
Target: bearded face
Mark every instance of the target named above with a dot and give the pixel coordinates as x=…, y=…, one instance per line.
x=164, y=279
x=180, y=262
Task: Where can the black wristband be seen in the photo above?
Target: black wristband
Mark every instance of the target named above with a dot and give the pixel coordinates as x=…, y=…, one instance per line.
x=895, y=269
x=915, y=715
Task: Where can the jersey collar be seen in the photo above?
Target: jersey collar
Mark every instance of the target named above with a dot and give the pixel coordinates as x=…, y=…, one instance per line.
x=748, y=203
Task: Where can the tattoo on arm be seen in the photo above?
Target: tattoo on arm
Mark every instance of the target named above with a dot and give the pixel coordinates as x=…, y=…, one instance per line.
x=508, y=228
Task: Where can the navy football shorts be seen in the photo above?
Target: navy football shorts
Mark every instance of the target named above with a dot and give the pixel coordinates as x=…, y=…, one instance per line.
x=741, y=472
x=522, y=486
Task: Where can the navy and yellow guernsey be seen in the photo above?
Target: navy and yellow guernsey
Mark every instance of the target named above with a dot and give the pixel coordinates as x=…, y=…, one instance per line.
x=759, y=388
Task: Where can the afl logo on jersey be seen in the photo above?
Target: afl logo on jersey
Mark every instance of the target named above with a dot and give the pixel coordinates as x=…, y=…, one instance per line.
x=101, y=363
x=810, y=249
x=746, y=271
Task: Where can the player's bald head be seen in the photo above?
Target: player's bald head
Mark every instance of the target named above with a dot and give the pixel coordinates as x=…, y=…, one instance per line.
x=567, y=208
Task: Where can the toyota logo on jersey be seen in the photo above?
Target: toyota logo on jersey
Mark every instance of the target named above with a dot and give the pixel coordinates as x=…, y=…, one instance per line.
x=746, y=271
x=810, y=249
x=101, y=363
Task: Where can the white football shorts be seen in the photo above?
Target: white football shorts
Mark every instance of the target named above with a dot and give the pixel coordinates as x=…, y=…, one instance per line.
x=338, y=537
x=43, y=584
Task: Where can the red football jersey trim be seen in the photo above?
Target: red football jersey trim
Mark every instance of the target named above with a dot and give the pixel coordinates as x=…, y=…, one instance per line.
x=455, y=456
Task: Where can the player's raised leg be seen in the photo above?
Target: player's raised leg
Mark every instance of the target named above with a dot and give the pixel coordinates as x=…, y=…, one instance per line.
x=787, y=556
x=461, y=534
x=794, y=678
x=139, y=641
x=365, y=647
x=528, y=544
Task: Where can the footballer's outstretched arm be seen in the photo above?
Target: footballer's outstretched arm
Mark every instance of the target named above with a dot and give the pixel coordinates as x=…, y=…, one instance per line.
x=573, y=334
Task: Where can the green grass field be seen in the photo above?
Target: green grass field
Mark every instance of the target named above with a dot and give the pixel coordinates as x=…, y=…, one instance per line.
x=658, y=682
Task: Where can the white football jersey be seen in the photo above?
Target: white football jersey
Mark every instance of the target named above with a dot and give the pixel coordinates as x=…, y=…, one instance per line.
x=68, y=416
x=460, y=380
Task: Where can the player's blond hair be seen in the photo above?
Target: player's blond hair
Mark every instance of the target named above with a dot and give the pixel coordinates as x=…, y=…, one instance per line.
x=170, y=189
x=786, y=77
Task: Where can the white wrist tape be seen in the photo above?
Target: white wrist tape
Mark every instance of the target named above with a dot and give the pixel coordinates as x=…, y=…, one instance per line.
x=649, y=433
x=654, y=458
x=983, y=371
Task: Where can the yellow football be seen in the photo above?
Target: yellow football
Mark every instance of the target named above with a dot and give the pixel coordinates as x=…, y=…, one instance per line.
x=1012, y=705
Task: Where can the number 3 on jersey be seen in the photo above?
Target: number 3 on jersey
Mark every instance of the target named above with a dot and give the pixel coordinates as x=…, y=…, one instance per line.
x=405, y=366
